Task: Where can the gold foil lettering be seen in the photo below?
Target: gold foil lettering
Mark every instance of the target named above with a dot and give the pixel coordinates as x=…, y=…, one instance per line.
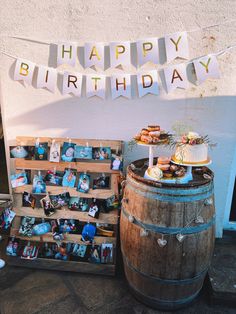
x=72, y=79
x=69, y=51
x=143, y=81
x=119, y=50
x=147, y=47
x=120, y=83
x=176, y=75
x=206, y=65
x=96, y=79
x=176, y=43
x=94, y=53
x=24, y=67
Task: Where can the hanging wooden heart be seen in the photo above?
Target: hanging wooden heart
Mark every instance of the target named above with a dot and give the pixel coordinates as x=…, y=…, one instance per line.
x=199, y=220
x=180, y=237
x=162, y=242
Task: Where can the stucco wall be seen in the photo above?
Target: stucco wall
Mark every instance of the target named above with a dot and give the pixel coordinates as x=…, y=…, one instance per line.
x=210, y=108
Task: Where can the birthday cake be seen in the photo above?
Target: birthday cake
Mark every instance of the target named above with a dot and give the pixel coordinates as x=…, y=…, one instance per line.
x=191, y=149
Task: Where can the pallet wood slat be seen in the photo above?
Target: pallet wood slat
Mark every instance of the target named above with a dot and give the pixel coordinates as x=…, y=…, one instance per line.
x=90, y=166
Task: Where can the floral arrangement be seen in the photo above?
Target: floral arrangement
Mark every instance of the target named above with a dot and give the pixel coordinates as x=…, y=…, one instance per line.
x=193, y=138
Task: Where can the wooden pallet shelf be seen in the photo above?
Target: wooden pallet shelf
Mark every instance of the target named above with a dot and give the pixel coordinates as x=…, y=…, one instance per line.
x=89, y=166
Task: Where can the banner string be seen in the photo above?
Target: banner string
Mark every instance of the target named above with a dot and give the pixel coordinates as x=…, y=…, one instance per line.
x=47, y=42
x=219, y=53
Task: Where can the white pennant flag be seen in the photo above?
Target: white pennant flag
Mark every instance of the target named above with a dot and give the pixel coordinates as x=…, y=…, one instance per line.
x=176, y=76
x=72, y=83
x=66, y=53
x=176, y=46
x=147, y=83
x=121, y=85
x=95, y=85
x=206, y=67
x=24, y=71
x=120, y=54
x=94, y=55
x=147, y=51
x=47, y=77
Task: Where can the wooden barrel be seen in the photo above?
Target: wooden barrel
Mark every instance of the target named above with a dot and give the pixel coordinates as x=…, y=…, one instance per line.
x=167, y=236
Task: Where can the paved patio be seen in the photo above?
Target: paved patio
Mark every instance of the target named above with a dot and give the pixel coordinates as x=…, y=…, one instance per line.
x=28, y=291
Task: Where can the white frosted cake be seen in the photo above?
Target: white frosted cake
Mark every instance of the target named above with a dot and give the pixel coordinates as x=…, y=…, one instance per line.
x=186, y=153
x=191, y=149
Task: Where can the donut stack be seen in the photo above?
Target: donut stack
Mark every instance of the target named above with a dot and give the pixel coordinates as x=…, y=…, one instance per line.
x=151, y=135
x=169, y=170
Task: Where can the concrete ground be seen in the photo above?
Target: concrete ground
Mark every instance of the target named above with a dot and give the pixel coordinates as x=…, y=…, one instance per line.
x=29, y=291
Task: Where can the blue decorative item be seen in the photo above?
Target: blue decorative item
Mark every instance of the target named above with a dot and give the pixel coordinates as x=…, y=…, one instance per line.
x=88, y=232
x=41, y=229
x=68, y=151
x=18, y=152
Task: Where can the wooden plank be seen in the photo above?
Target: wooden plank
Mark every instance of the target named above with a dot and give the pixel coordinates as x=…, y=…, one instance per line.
x=30, y=141
x=89, y=166
x=53, y=264
x=74, y=238
x=55, y=190
x=109, y=218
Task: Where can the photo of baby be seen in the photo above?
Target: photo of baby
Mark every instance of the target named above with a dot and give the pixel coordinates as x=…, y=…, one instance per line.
x=39, y=186
x=53, y=178
x=117, y=162
x=83, y=152
x=101, y=153
x=74, y=203
x=54, y=155
x=41, y=151
x=102, y=181
x=18, y=151
x=69, y=177
x=28, y=200
x=83, y=185
x=94, y=210
x=18, y=179
x=68, y=150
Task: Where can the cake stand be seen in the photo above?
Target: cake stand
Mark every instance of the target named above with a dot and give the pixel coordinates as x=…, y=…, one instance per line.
x=151, y=150
x=188, y=176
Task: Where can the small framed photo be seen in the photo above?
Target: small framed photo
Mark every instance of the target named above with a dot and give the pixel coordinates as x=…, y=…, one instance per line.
x=117, y=162
x=102, y=181
x=39, y=186
x=19, y=151
x=68, y=150
x=83, y=152
x=60, y=200
x=54, y=155
x=47, y=206
x=54, y=178
x=83, y=204
x=74, y=203
x=95, y=254
x=69, y=177
x=28, y=200
x=94, y=210
x=41, y=151
x=101, y=153
x=107, y=253
x=83, y=184
x=6, y=218
x=19, y=179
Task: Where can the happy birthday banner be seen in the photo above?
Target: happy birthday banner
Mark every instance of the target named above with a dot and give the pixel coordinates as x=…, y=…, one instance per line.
x=176, y=46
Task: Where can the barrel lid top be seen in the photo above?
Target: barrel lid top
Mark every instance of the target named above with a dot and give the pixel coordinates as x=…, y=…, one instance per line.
x=137, y=169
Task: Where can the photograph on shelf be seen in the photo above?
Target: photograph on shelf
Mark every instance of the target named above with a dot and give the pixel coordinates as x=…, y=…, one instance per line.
x=74, y=203
x=26, y=226
x=41, y=228
x=41, y=151
x=62, y=252
x=67, y=225
x=88, y=232
x=107, y=253
x=60, y=200
x=69, y=177
x=101, y=153
x=48, y=250
x=116, y=161
x=28, y=200
x=39, y=186
x=12, y=247
x=83, y=204
x=83, y=152
x=94, y=209
x=30, y=251
x=54, y=154
x=95, y=254
x=101, y=181
x=83, y=184
x=53, y=177
x=47, y=206
x=79, y=252
x=19, y=151
x=6, y=218
x=19, y=179
x=68, y=150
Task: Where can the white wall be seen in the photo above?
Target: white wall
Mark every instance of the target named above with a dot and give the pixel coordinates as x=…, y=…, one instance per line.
x=210, y=108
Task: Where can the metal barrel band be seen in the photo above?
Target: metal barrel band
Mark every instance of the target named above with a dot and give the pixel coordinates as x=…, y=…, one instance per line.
x=165, y=304
x=170, y=230
x=172, y=191
x=172, y=198
x=173, y=282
